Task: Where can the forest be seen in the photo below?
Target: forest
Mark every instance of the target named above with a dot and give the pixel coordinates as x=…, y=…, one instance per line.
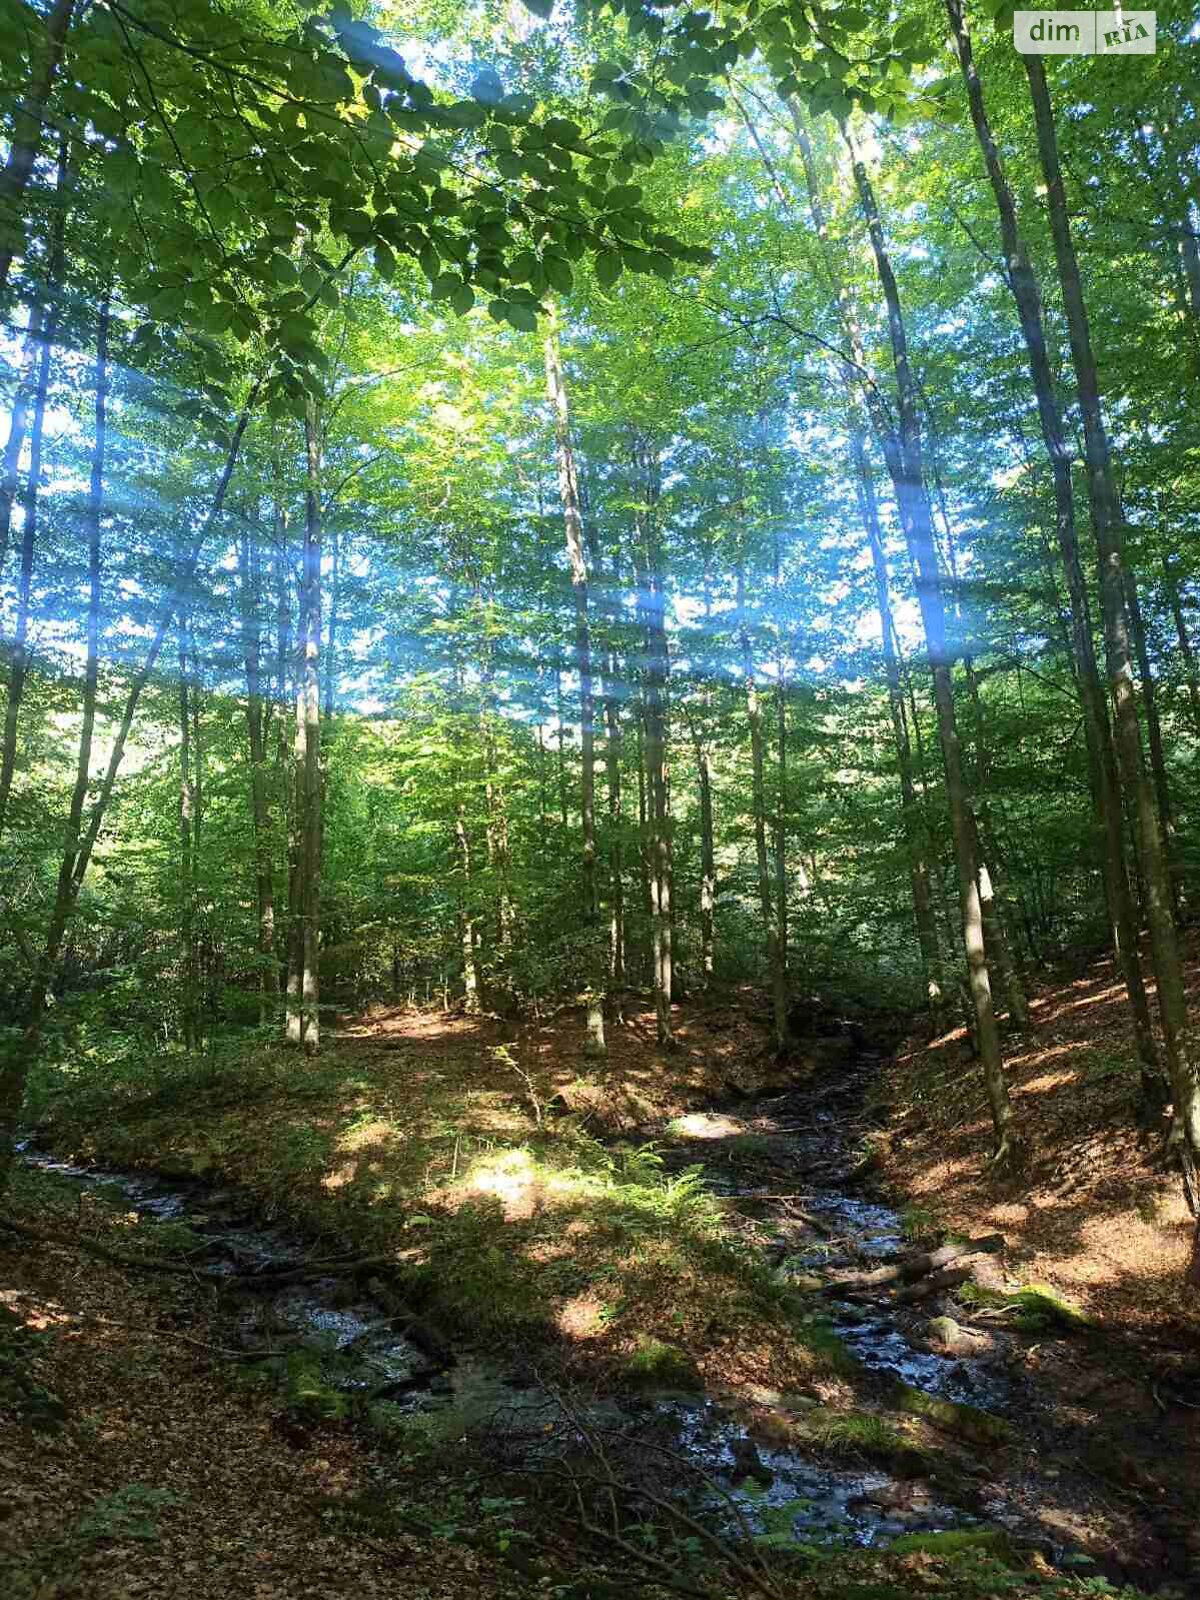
x=599, y=870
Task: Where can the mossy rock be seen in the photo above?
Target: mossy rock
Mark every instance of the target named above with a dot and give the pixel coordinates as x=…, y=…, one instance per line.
x=652, y=1364
x=953, y=1541
x=307, y=1392
x=1040, y=1309
x=967, y=1422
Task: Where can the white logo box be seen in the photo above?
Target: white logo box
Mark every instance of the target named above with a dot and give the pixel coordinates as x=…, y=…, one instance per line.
x=1074, y=33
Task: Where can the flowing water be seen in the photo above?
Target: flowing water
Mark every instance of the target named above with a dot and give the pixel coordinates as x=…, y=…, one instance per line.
x=780, y=1491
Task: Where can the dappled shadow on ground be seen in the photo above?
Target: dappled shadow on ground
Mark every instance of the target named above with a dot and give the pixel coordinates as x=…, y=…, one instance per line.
x=1095, y=1213
x=1096, y=1217
x=499, y=1172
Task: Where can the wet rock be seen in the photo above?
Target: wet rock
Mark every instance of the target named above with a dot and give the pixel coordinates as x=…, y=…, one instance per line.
x=797, y=1402
x=794, y=1273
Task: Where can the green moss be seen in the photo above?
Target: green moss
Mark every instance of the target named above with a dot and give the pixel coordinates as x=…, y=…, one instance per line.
x=863, y=1434
x=968, y=1422
x=955, y=1540
x=1037, y=1308
x=816, y=1335
x=652, y=1364
x=917, y=1222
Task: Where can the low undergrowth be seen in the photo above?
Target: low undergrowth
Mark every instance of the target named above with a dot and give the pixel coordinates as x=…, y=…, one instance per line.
x=511, y=1227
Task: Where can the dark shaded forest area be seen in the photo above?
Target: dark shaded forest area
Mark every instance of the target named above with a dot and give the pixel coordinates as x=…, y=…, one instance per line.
x=598, y=857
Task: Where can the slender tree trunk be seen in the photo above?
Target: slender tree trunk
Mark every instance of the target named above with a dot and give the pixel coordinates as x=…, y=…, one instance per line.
x=14, y=1065
x=708, y=866
x=35, y=385
x=616, y=865
x=1186, y=652
x=28, y=385
x=187, y=875
x=1177, y=1034
x=655, y=680
x=1154, y=737
x=917, y=522
x=780, y=830
x=568, y=490
x=995, y=922
x=18, y=668
x=27, y=137
x=644, y=872
x=560, y=713
x=543, y=815
x=331, y=636
x=497, y=834
x=910, y=808
x=312, y=773
x=466, y=919
x=775, y=974
x=1022, y=281
x=264, y=886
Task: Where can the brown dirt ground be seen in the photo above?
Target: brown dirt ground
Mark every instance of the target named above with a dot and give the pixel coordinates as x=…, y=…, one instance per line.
x=1095, y=1216
x=1097, y=1220
x=254, y=1508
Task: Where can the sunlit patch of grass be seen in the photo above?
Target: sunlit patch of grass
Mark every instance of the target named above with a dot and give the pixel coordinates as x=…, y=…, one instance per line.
x=1036, y=1308
x=918, y=1222
x=496, y=1233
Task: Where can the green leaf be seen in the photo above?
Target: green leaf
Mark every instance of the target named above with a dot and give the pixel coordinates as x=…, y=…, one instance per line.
x=558, y=273
x=609, y=267
x=521, y=316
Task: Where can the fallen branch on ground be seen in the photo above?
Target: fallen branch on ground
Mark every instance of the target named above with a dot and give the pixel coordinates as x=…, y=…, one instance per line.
x=918, y=1266
x=949, y=1279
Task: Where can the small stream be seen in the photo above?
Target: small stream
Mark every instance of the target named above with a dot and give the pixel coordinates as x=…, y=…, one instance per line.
x=781, y=1491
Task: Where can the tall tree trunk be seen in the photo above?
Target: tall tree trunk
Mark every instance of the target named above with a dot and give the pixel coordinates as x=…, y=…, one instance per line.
x=644, y=868
x=466, y=917
x=305, y=1028
x=18, y=666
x=568, y=490
x=916, y=519
x=27, y=137
x=616, y=865
x=187, y=876
x=497, y=834
x=331, y=635
x=995, y=922
x=652, y=600
x=708, y=867
x=560, y=715
x=264, y=885
x=28, y=385
x=910, y=808
x=1177, y=1036
x=1154, y=737
x=1186, y=652
x=14, y=1065
x=35, y=385
x=1022, y=282
x=775, y=974
x=77, y=857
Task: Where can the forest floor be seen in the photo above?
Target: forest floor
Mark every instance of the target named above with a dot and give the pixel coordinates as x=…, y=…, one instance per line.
x=1095, y=1214
x=501, y=1172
